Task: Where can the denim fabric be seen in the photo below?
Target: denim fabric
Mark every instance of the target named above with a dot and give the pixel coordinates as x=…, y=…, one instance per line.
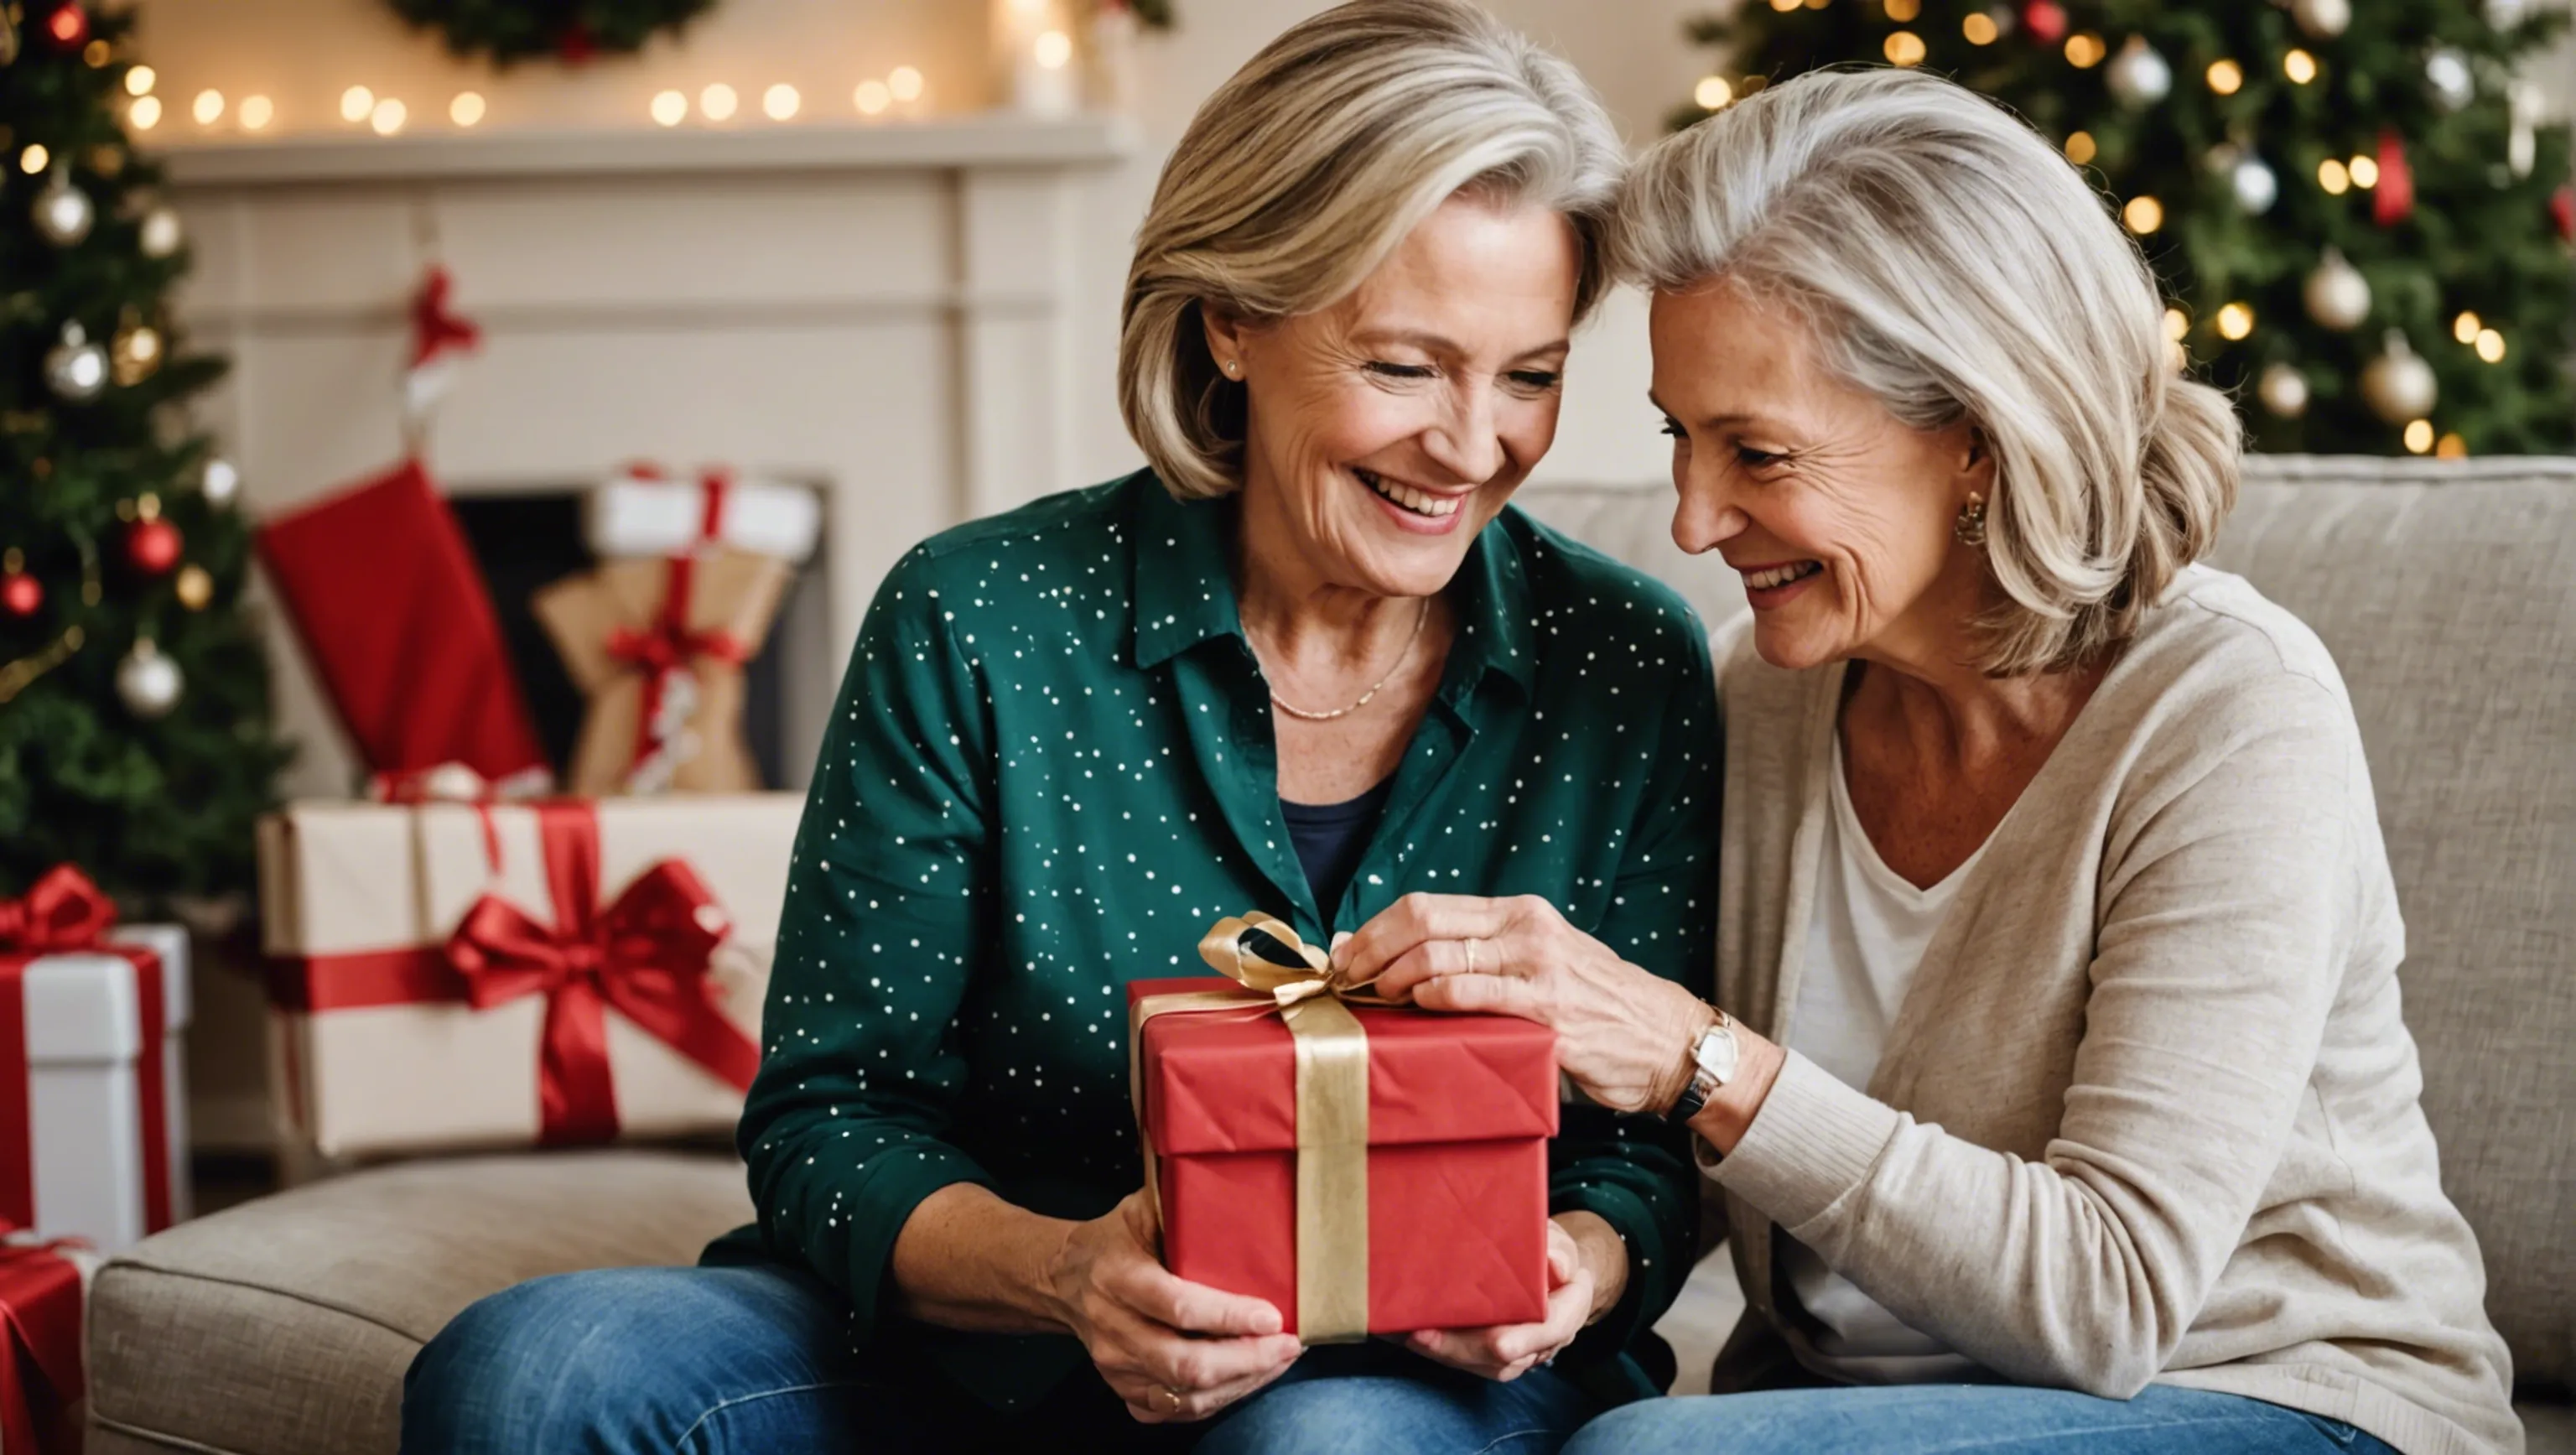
x=1956, y=1419
x=713, y=1361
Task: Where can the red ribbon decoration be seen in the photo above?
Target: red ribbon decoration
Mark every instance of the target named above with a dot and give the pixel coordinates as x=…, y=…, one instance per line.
x=436, y=329
x=2392, y=198
x=40, y=1367
x=646, y=955
x=668, y=645
x=65, y=914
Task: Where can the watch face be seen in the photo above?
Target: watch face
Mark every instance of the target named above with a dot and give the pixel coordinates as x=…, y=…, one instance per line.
x=1718, y=1053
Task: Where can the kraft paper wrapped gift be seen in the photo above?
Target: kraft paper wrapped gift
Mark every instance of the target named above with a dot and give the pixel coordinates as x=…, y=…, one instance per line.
x=1451, y=1218
x=423, y=999
x=657, y=647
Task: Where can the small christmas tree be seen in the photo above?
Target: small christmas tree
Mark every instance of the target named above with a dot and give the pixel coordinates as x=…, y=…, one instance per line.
x=2359, y=219
x=135, y=731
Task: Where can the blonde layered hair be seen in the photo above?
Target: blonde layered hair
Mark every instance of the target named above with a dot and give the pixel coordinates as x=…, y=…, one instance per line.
x=1307, y=168
x=1956, y=268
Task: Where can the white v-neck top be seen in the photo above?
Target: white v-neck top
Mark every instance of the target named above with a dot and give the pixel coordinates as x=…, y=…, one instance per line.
x=1864, y=942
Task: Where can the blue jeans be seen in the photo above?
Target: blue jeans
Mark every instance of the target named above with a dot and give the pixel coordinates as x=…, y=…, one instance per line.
x=1954, y=1419
x=705, y=1360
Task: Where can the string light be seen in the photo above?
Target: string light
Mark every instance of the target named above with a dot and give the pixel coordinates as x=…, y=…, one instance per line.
x=1905, y=48
x=2365, y=172
x=1903, y=11
x=144, y=114
x=1712, y=93
x=904, y=83
x=138, y=81
x=2451, y=447
x=2085, y=51
x=2177, y=324
x=780, y=101
x=2226, y=77
x=2419, y=436
x=1979, y=29
x=2332, y=177
x=2465, y=327
x=33, y=159
x=2079, y=147
x=872, y=97
x=96, y=55
x=2490, y=346
x=1784, y=6
x=208, y=108
x=357, y=104
x=257, y=112
x=2235, y=321
x=2143, y=214
x=466, y=109
x=717, y=102
x=2299, y=66
x=1053, y=49
x=388, y=117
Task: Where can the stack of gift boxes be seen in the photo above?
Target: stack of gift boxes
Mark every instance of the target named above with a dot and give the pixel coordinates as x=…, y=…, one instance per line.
x=464, y=958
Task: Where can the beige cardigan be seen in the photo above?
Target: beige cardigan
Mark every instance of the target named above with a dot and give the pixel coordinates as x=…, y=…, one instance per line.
x=2148, y=1112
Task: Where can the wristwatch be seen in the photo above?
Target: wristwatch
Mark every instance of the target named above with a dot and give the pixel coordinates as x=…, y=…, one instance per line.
x=1713, y=1061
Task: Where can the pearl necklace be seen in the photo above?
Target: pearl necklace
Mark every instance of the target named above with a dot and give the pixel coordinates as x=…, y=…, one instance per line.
x=1284, y=705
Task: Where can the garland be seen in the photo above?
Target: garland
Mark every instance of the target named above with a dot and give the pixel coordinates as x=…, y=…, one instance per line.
x=510, y=31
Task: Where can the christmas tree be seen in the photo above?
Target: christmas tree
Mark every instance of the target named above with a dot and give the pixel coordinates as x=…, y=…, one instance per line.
x=2355, y=211
x=135, y=730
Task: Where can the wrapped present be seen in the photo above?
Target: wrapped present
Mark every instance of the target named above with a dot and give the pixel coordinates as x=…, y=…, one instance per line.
x=93, y=1121
x=642, y=511
x=41, y=1287
x=658, y=646
x=1368, y=1169
x=448, y=975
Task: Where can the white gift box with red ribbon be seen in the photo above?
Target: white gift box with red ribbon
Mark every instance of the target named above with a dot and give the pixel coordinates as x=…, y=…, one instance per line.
x=643, y=510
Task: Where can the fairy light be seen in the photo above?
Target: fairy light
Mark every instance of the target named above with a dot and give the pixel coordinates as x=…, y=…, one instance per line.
x=144, y=114
x=466, y=109
x=2332, y=177
x=2490, y=346
x=872, y=97
x=208, y=108
x=257, y=112
x=1712, y=93
x=2465, y=327
x=2226, y=77
x=388, y=117
x=2143, y=215
x=2085, y=51
x=2177, y=324
x=138, y=81
x=357, y=104
x=717, y=102
x=2419, y=436
x=670, y=108
x=904, y=83
x=2079, y=147
x=779, y=102
x=1903, y=11
x=2235, y=321
x=1979, y=29
x=2299, y=66
x=33, y=159
x=1905, y=48
x=1784, y=6
x=1053, y=49
x=2451, y=447
x=2365, y=172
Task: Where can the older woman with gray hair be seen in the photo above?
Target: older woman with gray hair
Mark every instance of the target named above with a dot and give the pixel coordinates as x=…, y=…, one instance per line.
x=1306, y=661
x=2070, y=1106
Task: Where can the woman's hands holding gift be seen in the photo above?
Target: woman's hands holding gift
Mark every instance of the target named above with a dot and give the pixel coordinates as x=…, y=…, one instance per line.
x=1587, y=1269
x=1172, y=1349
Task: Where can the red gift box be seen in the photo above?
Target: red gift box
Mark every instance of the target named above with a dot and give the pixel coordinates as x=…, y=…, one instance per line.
x=1459, y=1111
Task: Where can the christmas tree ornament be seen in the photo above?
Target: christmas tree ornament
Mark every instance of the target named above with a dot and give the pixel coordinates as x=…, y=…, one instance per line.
x=2338, y=297
x=2045, y=20
x=2284, y=391
x=194, y=587
x=2446, y=71
x=67, y=27
x=76, y=369
x=159, y=233
x=152, y=544
x=2506, y=14
x=219, y=483
x=2562, y=211
x=2397, y=385
x=62, y=212
x=2255, y=186
x=2139, y=75
x=2322, y=19
x=8, y=35
x=21, y=595
x=2392, y=198
x=134, y=353
x=2523, y=107
x=147, y=682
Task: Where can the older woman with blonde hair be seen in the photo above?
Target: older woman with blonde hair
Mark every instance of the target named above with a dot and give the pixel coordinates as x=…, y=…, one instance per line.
x=2070, y=1107
x=1305, y=662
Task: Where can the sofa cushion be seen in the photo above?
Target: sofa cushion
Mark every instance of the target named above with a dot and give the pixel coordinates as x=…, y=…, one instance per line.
x=293, y=1318
x=2447, y=592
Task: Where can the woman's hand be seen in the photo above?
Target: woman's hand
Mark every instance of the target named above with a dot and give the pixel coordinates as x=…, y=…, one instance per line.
x=1172, y=1349
x=1624, y=1034
x=1587, y=1269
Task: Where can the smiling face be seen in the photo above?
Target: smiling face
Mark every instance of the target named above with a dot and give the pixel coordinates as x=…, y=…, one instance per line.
x=1838, y=516
x=1383, y=433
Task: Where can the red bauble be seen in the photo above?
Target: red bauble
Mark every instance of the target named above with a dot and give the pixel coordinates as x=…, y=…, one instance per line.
x=68, y=27
x=20, y=593
x=152, y=546
x=2392, y=201
x=2045, y=20
x=2562, y=210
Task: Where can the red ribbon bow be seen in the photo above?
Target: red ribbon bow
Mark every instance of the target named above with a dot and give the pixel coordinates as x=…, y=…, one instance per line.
x=669, y=645
x=40, y=1364
x=64, y=913
x=647, y=955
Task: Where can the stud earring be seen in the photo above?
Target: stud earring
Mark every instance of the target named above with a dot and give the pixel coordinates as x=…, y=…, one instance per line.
x=1971, y=526
x=1232, y=367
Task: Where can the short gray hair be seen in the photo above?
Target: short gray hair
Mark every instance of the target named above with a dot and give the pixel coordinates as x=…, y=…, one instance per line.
x=1957, y=268
x=1308, y=167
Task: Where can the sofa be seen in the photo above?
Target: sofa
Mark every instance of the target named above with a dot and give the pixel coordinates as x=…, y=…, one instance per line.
x=2446, y=590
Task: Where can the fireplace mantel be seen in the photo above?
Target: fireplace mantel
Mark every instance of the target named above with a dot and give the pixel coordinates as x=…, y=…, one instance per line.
x=882, y=310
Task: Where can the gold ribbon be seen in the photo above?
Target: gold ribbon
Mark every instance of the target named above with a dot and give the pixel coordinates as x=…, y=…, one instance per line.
x=1332, y=1106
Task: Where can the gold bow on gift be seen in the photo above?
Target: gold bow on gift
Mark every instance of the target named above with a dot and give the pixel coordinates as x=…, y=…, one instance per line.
x=1296, y=979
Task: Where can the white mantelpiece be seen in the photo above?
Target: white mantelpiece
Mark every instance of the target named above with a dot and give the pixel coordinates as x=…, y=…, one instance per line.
x=882, y=310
